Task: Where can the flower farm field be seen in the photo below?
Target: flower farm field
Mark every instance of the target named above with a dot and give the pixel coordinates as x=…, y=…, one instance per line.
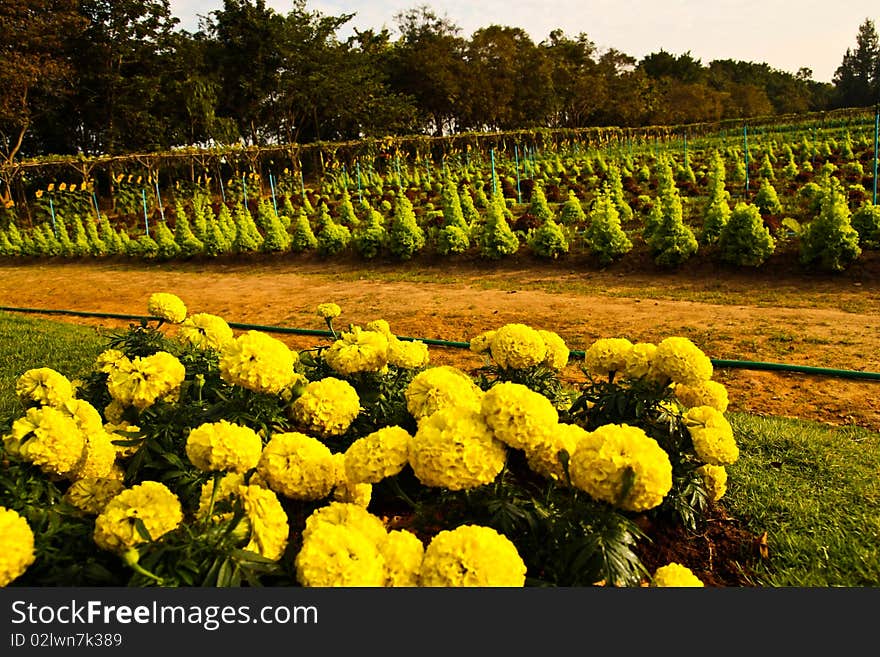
x=789, y=492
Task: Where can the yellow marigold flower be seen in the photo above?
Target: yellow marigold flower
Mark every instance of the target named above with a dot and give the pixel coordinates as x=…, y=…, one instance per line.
x=113, y=412
x=151, y=503
x=339, y=555
x=358, y=351
x=44, y=386
x=454, y=448
x=87, y=417
x=267, y=520
x=223, y=445
x=675, y=575
x=49, y=438
x=403, y=552
x=607, y=355
x=111, y=360
x=482, y=343
x=557, y=351
x=380, y=326
x=92, y=494
x=297, y=466
x=640, y=362
x=471, y=555
x=441, y=387
x=410, y=355
x=329, y=310
x=72, y=187
x=517, y=346
x=98, y=458
x=715, y=480
x=166, y=306
x=705, y=393
x=258, y=362
x=50, y=187
x=16, y=546
x=712, y=436
x=615, y=457
x=347, y=490
x=39, y=193
x=227, y=489
x=151, y=378
x=350, y=515
x=62, y=187
x=205, y=331
x=517, y=415
x=372, y=458
x=682, y=361
x=326, y=407
x=543, y=454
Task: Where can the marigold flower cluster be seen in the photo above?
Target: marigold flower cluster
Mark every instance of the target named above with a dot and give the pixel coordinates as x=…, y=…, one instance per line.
x=267, y=522
x=146, y=380
x=705, y=393
x=297, y=466
x=712, y=436
x=441, y=387
x=49, y=438
x=714, y=480
x=258, y=362
x=517, y=415
x=16, y=546
x=205, y=331
x=471, y=555
x=681, y=361
x=542, y=453
x=91, y=494
x=380, y=454
x=454, y=448
x=408, y=354
x=149, y=502
x=358, y=351
x=43, y=386
x=623, y=466
x=675, y=575
x=223, y=446
x=347, y=489
x=327, y=406
x=607, y=356
x=328, y=310
x=517, y=346
x=166, y=306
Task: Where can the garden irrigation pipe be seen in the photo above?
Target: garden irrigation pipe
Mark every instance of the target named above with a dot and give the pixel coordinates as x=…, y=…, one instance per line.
x=722, y=363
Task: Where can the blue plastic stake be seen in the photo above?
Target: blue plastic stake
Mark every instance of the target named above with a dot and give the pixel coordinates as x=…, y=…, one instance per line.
x=876, y=140
x=244, y=190
x=146, y=216
x=222, y=188
x=746, y=149
x=516, y=157
x=52, y=214
x=272, y=188
x=399, y=179
x=95, y=201
x=357, y=166
x=159, y=199
x=492, y=155
x=302, y=182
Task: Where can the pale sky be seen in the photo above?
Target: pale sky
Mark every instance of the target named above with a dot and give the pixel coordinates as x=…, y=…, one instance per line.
x=784, y=34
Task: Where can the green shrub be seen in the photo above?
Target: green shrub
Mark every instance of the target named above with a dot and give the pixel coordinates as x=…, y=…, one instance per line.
x=97, y=248
x=669, y=240
x=829, y=241
x=302, y=238
x=276, y=239
x=717, y=209
x=405, y=236
x=497, y=239
x=371, y=239
x=548, y=240
x=572, y=212
x=167, y=247
x=604, y=236
x=247, y=238
x=766, y=200
x=866, y=222
x=745, y=240
x=333, y=239
x=615, y=188
x=538, y=206
x=112, y=241
x=186, y=240
x=347, y=215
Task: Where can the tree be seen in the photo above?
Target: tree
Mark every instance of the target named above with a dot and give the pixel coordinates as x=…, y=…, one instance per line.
x=857, y=79
x=34, y=69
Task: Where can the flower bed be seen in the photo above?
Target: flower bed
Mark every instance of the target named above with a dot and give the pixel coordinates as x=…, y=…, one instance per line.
x=194, y=457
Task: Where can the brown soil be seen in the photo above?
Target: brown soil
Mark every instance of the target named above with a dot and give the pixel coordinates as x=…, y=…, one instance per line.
x=780, y=314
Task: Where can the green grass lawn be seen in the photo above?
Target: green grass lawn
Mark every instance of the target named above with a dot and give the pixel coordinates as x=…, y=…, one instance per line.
x=814, y=489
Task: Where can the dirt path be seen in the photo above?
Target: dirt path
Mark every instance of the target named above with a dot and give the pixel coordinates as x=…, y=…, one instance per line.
x=825, y=324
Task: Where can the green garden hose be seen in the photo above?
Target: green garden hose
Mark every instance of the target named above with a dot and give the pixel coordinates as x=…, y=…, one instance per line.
x=720, y=363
